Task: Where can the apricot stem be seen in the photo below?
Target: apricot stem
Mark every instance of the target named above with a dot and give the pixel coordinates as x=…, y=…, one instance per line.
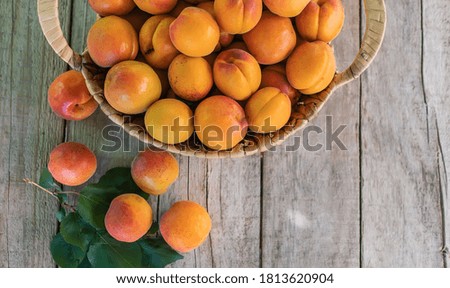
x=68, y=193
x=29, y=181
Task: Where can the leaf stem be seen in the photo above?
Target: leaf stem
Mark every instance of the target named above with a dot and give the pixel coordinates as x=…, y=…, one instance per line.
x=29, y=181
x=68, y=193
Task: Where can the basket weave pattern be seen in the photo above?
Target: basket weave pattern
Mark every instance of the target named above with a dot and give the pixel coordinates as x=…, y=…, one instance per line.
x=306, y=109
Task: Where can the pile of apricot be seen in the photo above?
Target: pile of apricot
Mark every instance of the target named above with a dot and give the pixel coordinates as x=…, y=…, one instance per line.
x=213, y=68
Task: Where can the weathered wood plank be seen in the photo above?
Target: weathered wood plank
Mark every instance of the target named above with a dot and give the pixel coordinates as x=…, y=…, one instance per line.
x=230, y=190
x=30, y=130
x=311, y=196
x=436, y=75
x=401, y=219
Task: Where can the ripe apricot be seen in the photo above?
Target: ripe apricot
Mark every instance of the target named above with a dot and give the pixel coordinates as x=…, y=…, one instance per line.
x=169, y=121
x=155, y=43
x=286, y=8
x=194, y=32
x=190, y=77
x=272, y=39
x=128, y=218
x=112, y=7
x=69, y=97
x=185, y=226
x=321, y=20
x=111, y=40
x=311, y=67
x=131, y=87
x=220, y=122
x=238, y=16
x=236, y=73
x=268, y=110
x=72, y=163
x=275, y=76
x=154, y=171
x=156, y=6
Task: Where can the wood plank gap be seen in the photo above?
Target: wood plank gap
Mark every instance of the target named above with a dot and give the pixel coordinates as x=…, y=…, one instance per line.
x=261, y=216
x=361, y=183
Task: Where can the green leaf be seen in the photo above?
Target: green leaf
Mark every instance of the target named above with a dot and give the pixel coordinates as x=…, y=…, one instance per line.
x=154, y=228
x=60, y=214
x=120, y=178
x=47, y=182
x=64, y=254
x=157, y=253
x=85, y=263
x=93, y=203
x=94, y=199
x=77, y=232
x=106, y=252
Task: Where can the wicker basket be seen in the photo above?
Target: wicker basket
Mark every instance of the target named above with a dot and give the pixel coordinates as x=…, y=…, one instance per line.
x=306, y=109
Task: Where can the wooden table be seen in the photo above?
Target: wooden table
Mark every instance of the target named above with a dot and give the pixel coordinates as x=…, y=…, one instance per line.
x=381, y=202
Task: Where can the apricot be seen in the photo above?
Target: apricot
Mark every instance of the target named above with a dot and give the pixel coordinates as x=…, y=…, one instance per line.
x=155, y=43
x=156, y=6
x=112, y=40
x=225, y=37
x=237, y=74
x=272, y=40
x=286, y=8
x=311, y=67
x=154, y=171
x=185, y=226
x=238, y=16
x=321, y=20
x=169, y=121
x=69, y=97
x=128, y=218
x=194, y=32
x=220, y=122
x=275, y=76
x=137, y=18
x=72, y=163
x=190, y=77
x=112, y=7
x=131, y=87
x=268, y=110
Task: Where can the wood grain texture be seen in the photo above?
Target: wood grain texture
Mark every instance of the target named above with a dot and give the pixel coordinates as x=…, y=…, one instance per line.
x=436, y=85
x=401, y=211
x=30, y=130
x=311, y=198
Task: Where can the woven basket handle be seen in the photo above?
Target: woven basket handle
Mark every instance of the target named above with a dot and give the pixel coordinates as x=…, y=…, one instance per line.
x=49, y=20
x=373, y=37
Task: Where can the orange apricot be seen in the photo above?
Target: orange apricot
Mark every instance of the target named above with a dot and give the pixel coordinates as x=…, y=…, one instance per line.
x=185, y=226
x=112, y=7
x=268, y=110
x=220, y=122
x=238, y=16
x=272, y=40
x=156, y=6
x=72, y=163
x=321, y=20
x=128, y=218
x=190, y=77
x=69, y=97
x=131, y=87
x=311, y=67
x=154, y=171
x=194, y=32
x=112, y=40
x=286, y=8
x=237, y=74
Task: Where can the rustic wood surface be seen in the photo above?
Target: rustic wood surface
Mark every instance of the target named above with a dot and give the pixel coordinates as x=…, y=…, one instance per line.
x=381, y=202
